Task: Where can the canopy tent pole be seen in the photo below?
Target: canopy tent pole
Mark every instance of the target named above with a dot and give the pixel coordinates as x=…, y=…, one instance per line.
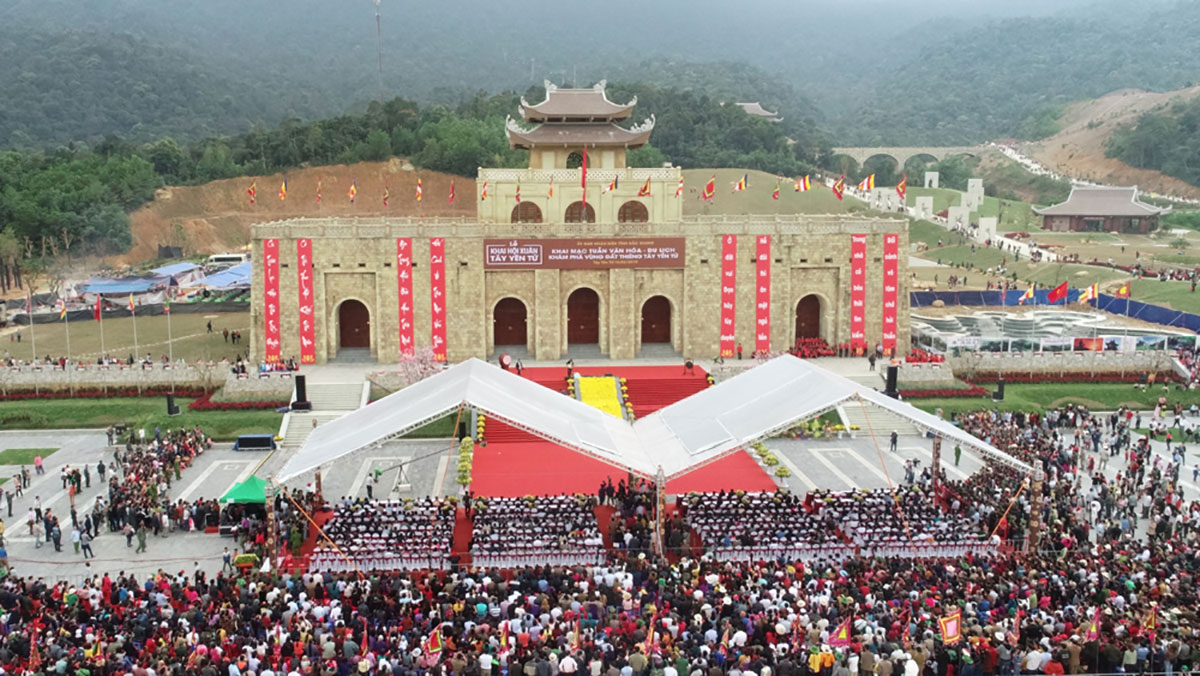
x=320, y=531
x=887, y=475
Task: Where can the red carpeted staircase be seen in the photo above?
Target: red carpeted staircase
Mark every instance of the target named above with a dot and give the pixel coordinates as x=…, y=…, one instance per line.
x=650, y=394
x=497, y=432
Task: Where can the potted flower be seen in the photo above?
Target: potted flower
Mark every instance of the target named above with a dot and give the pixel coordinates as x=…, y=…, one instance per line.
x=245, y=561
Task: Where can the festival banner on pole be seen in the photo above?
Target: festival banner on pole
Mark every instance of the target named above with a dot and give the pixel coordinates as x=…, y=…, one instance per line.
x=891, y=286
x=271, y=300
x=437, y=284
x=762, y=295
x=308, y=330
x=858, y=292
x=728, y=293
x=404, y=294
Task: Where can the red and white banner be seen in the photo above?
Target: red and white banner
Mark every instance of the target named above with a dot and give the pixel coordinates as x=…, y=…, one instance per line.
x=308, y=325
x=858, y=292
x=728, y=293
x=762, y=295
x=405, y=293
x=437, y=296
x=891, y=286
x=271, y=347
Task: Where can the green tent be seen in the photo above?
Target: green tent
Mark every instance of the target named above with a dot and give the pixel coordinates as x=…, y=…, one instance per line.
x=250, y=491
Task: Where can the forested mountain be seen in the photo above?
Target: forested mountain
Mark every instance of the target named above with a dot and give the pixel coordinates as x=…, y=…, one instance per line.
x=1167, y=141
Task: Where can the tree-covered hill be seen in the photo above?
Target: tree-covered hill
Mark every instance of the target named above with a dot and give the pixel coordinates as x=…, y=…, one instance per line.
x=1166, y=140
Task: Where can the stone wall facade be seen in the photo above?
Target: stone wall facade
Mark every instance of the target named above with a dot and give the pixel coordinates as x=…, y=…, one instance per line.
x=355, y=259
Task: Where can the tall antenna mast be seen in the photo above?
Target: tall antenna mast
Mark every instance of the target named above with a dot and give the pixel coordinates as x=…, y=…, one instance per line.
x=379, y=47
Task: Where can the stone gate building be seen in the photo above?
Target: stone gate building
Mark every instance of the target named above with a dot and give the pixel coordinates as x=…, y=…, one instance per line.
x=557, y=265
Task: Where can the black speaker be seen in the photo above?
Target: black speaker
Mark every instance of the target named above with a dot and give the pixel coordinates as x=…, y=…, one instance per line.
x=172, y=409
x=891, y=391
x=998, y=395
x=302, y=403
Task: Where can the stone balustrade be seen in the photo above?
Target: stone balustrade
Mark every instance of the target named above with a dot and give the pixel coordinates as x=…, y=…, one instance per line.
x=252, y=386
x=1050, y=363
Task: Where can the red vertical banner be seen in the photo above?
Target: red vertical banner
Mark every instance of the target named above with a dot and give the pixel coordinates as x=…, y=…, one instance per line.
x=404, y=293
x=858, y=292
x=308, y=325
x=271, y=300
x=437, y=296
x=762, y=294
x=728, y=293
x=891, y=286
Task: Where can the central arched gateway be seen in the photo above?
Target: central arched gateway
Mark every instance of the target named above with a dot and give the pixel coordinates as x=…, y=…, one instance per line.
x=583, y=317
x=354, y=324
x=509, y=323
x=808, y=317
x=656, y=320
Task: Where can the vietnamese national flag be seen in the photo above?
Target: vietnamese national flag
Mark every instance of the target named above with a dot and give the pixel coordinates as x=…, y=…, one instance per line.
x=1122, y=292
x=1057, y=293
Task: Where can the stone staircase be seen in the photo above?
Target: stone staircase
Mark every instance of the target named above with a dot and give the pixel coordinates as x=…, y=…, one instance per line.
x=330, y=401
x=872, y=418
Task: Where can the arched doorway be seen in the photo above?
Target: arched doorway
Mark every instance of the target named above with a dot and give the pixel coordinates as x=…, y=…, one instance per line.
x=526, y=212
x=583, y=317
x=656, y=320
x=509, y=323
x=578, y=212
x=808, y=317
x=354, y=324
x=574, y=160
x=633, y=212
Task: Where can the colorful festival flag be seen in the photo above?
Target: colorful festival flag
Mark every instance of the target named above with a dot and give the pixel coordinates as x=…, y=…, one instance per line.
x=902, y=187
x=1123, y=292
x=951, y=626
x=839, y=187
x=644, y=191
x=418, y=188
x=775, y=195
x=166, y=306
x=1091, y=292
x=131, y=302
x=433, y=643
x=742, y=183
x=387, y=195
x=483, y=193
x=1028, y=295
x=518, y=195
x=583, y=179
x=679, y=188
x=61, y=306
x=451, y=192
x=1093, y=629
x=550, y=190
x=1151, y=625
x=353, y=190
x=318, y=192
x=803, y=184
x=710, y=188
x=867, y=183
x=283, y=189
x=252, y=191
x=612, y=185
x=841, y=636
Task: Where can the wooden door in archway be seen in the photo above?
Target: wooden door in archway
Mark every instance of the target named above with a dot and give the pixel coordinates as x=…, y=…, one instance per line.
x=509, y=323
x=583, y=317
x=808, y=317
x=354, y=324
x=656, y=320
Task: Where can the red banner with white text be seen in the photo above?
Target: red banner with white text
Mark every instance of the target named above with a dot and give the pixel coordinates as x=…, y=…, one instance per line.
x=858, y=292
x=271, y=347
x=308, y=325
x=404, y=283
x=728, y=293
x=891, y=294
x=437, y=296
x=762, y=295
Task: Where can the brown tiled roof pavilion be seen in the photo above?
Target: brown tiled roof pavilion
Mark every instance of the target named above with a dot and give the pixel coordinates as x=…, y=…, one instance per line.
x=1102, y=201
x=604, y=134
x=576, y=105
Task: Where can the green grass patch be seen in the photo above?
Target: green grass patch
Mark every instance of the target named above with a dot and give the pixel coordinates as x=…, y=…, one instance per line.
x=1097, y=396
x=24, y=456
x=1047, y=274
x=438, y=429
x=756, y=199
x=1015, y=216
x=146, y=413
x=1175, y=295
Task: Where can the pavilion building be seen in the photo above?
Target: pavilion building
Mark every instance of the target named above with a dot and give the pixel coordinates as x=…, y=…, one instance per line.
x=1102, y=209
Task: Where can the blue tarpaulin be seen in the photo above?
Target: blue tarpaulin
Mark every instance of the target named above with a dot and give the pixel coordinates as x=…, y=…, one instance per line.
x=175, y=269
x=238, y=275
x=128, y=285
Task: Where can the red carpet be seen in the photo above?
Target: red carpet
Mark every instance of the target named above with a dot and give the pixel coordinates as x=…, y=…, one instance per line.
x=463, y=530
x=541, y=468
x=556, y=374
x=300, y=562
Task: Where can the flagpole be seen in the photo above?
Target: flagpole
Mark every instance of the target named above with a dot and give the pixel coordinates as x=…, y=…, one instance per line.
x=67, y=328
x=32, y=335
x=133, y=316
x=170, y=349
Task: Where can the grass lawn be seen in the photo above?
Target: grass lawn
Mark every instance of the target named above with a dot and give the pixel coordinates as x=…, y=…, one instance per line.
x=1175, y=295
x=1096, y=396
x=139, y=412
x=24, y=456
x=1048, y=274
x=190, y=339
x=438, y=429
x=756, y=199
x=1014, y=216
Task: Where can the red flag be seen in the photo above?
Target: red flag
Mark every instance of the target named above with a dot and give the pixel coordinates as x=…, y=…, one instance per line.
x=451, y=192
x=775, y=195
x=902, y=187
x=1122, y=292
x=583, y=180
x=710, y=188
x=96, y=312
x=1057, y=293
x=841, y=636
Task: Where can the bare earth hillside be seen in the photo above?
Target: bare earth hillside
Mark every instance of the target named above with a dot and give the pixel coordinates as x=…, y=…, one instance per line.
x=1078, y=149
x=216, y=216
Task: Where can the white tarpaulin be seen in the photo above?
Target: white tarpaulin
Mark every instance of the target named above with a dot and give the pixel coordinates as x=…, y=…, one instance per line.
x=690, y=433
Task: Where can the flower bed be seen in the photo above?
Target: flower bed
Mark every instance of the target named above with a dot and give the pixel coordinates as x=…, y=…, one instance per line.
x=1025, y=378
x=205, y=403
x=101, y=394
x=919, y=356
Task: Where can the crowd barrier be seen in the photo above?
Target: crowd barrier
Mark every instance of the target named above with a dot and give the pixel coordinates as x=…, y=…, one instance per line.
x=87, y=314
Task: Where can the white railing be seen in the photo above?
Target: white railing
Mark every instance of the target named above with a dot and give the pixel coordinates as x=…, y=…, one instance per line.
x=572, y=176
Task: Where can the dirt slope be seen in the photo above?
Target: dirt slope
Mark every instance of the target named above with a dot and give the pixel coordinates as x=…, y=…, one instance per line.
x=1078, y=149
x=216, y=216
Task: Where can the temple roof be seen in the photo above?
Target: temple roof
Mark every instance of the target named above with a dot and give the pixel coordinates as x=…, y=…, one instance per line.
x=569, y=105
x=568, y=134
x=757, y=110
x=1102, y=201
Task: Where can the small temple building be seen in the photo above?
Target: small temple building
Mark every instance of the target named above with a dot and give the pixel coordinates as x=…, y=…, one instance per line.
x=1102, y=209
x=755, y=108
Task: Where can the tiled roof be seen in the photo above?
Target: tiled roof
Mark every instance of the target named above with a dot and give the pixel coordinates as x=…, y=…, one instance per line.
x=1102, y=201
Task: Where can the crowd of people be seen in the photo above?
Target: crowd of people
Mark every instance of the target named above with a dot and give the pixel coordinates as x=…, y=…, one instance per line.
x=553, y=530
x=375, y=535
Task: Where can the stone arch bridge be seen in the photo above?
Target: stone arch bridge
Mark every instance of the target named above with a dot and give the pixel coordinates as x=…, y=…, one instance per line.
x=903, y=154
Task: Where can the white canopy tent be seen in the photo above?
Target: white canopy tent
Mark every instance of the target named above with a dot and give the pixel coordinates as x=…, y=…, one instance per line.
x=678, y=439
